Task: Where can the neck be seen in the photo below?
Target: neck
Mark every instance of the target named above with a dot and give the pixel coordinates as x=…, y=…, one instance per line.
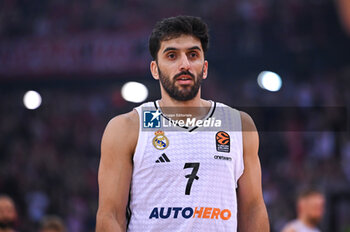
x=196, y=107
x=167, y=101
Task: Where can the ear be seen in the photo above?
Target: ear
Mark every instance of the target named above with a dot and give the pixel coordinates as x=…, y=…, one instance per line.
x=154, y=69
x=205, y=69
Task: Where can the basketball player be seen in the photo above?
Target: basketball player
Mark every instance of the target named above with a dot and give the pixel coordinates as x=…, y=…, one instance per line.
x=188, y=179
x=310, y=209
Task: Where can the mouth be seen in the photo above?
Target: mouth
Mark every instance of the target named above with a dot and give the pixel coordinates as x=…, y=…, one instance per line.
x=184, y=79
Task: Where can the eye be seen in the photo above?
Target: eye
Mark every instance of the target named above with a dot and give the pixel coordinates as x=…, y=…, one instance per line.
x=171, y=56
x=193, y=54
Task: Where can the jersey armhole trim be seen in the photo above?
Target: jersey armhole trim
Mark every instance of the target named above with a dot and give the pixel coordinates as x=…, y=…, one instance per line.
x=241, y=146
x=140, y=146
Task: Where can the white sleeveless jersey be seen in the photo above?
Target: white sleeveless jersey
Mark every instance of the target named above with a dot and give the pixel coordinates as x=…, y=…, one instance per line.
x=186, y=180
x=299, y=226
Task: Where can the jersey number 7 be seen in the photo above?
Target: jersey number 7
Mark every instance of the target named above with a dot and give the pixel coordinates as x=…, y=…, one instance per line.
x=191, y=176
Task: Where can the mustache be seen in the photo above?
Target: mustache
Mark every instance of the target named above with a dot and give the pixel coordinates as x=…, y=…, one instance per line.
x=184, y=73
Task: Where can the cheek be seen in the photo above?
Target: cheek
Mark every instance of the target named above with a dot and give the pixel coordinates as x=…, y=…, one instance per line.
x=168, y=70
x=317, y=210
x=199, y=66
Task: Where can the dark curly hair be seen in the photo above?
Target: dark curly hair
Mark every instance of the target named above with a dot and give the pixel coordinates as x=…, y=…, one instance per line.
x=174, y=27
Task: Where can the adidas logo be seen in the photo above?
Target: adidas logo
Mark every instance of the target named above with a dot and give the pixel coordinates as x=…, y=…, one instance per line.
x=163, y=158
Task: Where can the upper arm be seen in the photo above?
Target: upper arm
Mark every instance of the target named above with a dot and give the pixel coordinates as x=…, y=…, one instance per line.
x=115, y=170
x=249, y=184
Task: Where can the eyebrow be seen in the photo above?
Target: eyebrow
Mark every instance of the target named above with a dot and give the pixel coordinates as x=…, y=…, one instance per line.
x=194, y=48
x=175, y=49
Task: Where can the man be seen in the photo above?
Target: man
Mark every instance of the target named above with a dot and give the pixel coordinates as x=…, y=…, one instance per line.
x=8, y=214
x=187, y=179
x=52, y=224
x=310, y=209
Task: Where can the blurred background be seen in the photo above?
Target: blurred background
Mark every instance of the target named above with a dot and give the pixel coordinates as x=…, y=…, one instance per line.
x=77, y=55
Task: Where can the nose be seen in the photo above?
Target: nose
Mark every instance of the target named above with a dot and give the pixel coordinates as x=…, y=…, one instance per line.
x=184, y=63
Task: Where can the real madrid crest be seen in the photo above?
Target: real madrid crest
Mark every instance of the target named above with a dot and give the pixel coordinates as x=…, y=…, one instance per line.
x=160, y=141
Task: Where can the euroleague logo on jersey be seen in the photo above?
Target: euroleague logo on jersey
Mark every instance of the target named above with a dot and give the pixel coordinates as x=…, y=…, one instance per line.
x=222, y=141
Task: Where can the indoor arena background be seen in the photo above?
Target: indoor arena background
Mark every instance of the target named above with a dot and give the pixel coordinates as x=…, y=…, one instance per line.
x=78, y=54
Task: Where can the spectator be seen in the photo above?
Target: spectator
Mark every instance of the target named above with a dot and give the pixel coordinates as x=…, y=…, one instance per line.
x=52, y=224
x=8, y=214
x=310, y=209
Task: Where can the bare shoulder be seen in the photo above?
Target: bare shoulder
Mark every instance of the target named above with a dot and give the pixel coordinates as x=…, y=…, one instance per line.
x=247, y=122
x=249, y=134
x=128, y=120
x=124, y=128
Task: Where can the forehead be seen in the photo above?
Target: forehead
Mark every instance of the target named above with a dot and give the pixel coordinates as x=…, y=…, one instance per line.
x=181, y=42
x=315, y=198
x=6, y=203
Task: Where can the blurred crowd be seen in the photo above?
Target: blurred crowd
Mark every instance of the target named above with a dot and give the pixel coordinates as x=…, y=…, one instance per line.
x=251, y=26
x=49, y=157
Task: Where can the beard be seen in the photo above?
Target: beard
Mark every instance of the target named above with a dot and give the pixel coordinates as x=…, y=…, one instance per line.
x=314, y=220
x=181, y=93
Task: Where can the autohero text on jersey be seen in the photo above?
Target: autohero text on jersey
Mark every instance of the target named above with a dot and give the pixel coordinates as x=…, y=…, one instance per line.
x=188, y=212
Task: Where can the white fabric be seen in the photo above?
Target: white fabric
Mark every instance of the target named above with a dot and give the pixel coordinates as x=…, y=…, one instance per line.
x=157, y=196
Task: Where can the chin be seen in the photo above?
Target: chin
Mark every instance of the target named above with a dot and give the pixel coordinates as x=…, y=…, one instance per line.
x=315, y=221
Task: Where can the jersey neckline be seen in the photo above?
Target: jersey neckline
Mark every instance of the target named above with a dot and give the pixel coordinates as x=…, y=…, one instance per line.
x=189, y=129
